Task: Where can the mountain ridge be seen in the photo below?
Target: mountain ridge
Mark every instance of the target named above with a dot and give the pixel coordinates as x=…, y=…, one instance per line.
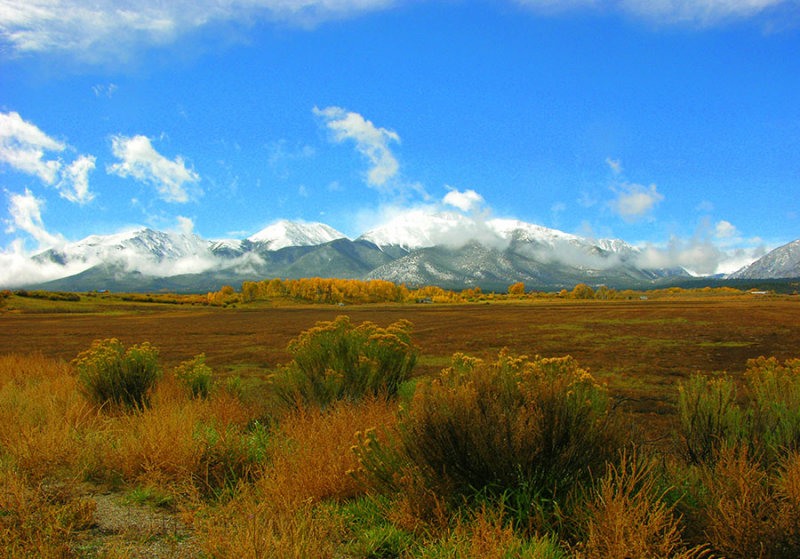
x=447, y=249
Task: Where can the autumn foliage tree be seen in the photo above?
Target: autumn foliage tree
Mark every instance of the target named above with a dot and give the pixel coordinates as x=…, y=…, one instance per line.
x=517, y=289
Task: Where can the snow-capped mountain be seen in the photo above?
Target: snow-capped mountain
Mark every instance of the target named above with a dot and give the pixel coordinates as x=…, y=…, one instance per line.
x=417, y=229
x=449, y=249
x=142, y=251
x=285, y=233
x=783, y=262
x=145, y=243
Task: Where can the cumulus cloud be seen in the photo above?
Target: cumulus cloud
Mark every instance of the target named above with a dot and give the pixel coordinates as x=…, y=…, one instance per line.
x=23, y=146
x=185, y=225
x=725, y=230
x=74, y=184
x=372, y=142
x=26, y=215
x=141, y=161
x=112, y=29
x=466, y=201
x=635, y=201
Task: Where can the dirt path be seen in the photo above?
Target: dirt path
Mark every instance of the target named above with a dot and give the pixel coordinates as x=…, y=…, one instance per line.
x=124, y=529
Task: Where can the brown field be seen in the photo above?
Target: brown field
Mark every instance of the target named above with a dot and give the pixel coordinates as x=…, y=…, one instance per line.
x=640, y=348
x=234, y=474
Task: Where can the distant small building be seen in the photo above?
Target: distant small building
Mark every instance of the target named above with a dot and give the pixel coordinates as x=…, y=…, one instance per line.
x=425, y=301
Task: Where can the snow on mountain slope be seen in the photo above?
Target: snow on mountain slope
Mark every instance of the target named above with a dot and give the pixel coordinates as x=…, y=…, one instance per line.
x=417, y=229
x=143, y=250
x=783, y=262
x=285, y=233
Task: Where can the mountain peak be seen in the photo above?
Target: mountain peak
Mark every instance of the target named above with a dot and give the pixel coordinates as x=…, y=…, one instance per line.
x=285, y=233
x=783, y=262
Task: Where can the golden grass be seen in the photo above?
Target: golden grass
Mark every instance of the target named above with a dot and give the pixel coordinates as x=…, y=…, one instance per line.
x=314, y=460
x=43, y=418
x=255, y=485
x=252, y=528
x=629, y=518
x=39, y=521
x=279, y=514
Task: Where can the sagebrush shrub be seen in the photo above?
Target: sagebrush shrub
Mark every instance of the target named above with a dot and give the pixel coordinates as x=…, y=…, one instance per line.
x=775, y=406
x=109, y=374
x=195, y=376
x=527, y=430
x=338, y=360
x=709, y=416
x=766, y=419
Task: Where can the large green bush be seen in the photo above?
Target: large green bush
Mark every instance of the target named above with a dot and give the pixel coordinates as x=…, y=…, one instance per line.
x=709, y=416
x=765, y=419
x=111, y=375
x=528, y=431
x=338, y=360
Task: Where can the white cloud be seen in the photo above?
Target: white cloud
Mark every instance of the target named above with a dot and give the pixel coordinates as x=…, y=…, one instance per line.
x=699, y=12
x=26, y=215
x=465, y=201
x=74, y=184
x=113, y=29
x=371, y=141
x=18, y=269
x=725, y=230
x=23, y=146
x=634, y=201
x=615, y=165
x=699, y=256
x=427, y=225
x=703, y=12
x=185, y=225
x=142, y=162
x=105, y=90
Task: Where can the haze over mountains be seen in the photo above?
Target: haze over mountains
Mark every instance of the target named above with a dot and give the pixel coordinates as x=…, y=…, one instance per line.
x=446, y=249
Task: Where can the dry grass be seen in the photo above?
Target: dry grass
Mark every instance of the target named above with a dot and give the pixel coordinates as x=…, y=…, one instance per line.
x=279, y=514
x=279, y=491
x=751, y=511
x=252, y=528
x=314, y=460
x=177, y=441
x=37, y=520
x=43, y=418
x=641, y=347
x=485, y=533
x=628, y=517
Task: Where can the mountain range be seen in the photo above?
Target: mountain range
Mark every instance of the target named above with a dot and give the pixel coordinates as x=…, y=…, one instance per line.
x=447, y=249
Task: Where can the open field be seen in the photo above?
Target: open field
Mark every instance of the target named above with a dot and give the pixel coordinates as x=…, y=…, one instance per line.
x=640, y=348
x=240, y=471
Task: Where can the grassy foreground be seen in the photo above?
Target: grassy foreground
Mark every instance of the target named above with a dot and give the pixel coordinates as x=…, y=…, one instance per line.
x=499, y=456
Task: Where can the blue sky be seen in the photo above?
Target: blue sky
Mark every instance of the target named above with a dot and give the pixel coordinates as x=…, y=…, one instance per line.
x=668, y=123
